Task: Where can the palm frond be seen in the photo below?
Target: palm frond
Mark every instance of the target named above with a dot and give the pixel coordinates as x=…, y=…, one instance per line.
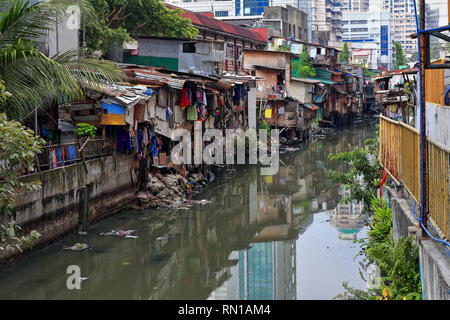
x=21, y=19
x=33, y=79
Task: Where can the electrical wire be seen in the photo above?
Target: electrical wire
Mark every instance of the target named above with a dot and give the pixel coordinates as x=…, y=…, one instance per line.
x=423, y=227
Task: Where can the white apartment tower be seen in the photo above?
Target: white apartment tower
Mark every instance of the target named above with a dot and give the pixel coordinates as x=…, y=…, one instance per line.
x=355, y=5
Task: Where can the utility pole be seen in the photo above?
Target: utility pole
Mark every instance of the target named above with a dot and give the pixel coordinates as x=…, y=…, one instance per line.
x=423, y=137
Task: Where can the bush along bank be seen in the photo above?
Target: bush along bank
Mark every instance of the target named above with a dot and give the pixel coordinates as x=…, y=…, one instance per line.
x=397, y=260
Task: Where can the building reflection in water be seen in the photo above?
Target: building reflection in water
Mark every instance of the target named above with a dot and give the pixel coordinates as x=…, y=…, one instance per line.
x=349, y=219
x=241, y=246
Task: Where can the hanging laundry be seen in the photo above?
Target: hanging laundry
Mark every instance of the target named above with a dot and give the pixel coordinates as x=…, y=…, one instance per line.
x=123, y=141
x=191, y=113
x=184, y=100
x=204, y=99
x=71, y=154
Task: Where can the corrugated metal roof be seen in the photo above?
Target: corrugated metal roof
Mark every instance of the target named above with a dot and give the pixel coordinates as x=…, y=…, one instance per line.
x=202, y=20
x=312, y=81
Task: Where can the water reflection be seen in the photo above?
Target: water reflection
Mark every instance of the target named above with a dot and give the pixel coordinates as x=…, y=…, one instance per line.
x=260, y=238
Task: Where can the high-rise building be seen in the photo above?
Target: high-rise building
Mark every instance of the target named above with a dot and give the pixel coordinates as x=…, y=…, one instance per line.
x=403, y=22
x=326, y=21
x=232, y=8
x=267, y=271
x=323, y=16
x=370, y=36
x=355, y=5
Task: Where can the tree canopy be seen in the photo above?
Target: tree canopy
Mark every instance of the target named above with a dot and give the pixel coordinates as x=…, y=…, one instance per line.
x=116, y=21
x=399, y=55
x=305, y=67
x=344, y=55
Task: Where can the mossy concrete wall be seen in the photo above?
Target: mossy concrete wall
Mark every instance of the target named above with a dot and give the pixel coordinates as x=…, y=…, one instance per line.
x=54, y=209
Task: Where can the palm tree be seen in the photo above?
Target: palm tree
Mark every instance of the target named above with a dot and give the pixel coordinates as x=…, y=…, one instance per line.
x=32, y=78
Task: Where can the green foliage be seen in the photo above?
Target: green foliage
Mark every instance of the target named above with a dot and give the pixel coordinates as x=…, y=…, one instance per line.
x=11, y=240
x=116, y=21
x=362, y=165
x=304, y=66
x=18, y=146
x=4, y=95
x=399, y=55
x=33, y=78
x=398, y=260
x=344, y=55
x=264, y=125
x=85, y=130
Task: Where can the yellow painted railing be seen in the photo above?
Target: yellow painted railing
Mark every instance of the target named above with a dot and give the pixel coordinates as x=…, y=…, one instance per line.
x=438, y=187
x=400, y=156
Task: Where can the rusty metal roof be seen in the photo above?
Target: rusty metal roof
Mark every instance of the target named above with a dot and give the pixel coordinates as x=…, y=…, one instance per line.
x=203, y=21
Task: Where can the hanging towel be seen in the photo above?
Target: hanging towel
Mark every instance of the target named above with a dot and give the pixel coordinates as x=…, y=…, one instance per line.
x=191, y=113
x=72, y=154
x=204, y=99
x=184, y=100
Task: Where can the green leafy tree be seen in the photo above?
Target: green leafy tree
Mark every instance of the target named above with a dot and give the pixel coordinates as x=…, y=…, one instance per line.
x=344, y=55
x=305, y=67
x=363, y=177
x=85, y=130
x=33, y=78
x=116, y=21
x=18, y=147
x=399, y=55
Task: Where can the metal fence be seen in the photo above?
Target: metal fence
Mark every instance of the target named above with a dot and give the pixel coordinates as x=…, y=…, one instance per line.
x=400, y=156
x=60, y=155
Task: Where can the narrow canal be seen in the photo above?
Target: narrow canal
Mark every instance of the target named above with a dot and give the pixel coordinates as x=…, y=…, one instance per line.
x=285, y=236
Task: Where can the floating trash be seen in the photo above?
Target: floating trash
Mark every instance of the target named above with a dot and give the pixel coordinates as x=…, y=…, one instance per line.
x=77, y=247
x=120, y=233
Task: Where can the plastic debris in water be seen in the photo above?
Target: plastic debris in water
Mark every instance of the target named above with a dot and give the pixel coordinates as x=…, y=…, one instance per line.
x=119, y=233
x=77, y=247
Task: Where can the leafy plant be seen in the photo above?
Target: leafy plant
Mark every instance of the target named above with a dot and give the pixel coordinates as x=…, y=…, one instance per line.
x=399, y=55
x=265, y=125
x=344, y=55
x=85, y=130
x=398, y=261
x=305, y=67
x=18, y=146
x=11, y=240
x=362, y=166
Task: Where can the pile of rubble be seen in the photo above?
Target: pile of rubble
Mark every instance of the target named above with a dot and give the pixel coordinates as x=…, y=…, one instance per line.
x=171, y=191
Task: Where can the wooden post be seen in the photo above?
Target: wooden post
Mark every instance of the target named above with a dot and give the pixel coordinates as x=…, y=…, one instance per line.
x=423, y=57
x=80, y=149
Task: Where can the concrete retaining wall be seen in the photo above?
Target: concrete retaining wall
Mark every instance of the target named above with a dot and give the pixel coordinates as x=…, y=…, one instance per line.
x=434, y=258
x=54, y=209
x=435, y=269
